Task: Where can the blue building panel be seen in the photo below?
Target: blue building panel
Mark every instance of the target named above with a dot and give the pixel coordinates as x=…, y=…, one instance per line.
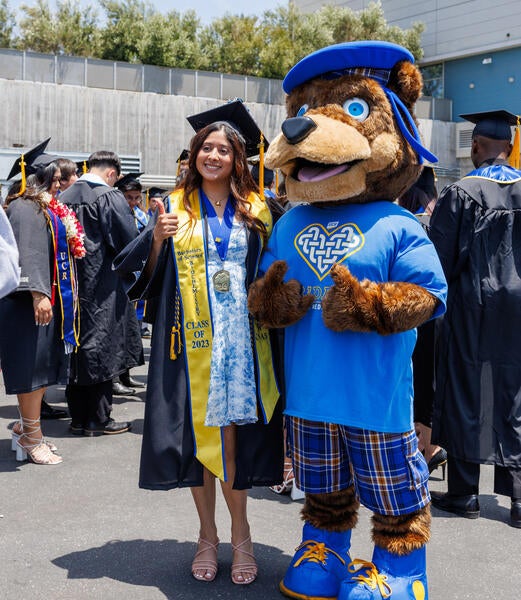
x=484, y=82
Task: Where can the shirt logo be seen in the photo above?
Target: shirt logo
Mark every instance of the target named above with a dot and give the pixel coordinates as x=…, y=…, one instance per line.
x=321, y=248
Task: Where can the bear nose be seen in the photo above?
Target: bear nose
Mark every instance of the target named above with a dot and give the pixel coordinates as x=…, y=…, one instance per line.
x=296, y=129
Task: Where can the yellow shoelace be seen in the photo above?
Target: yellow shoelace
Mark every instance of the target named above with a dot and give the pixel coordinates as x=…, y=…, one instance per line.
x=371, y=576
x=316, y=552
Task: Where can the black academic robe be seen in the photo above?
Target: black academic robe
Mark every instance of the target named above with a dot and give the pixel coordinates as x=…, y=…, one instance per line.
x=32, y=356
x=167, y=456
x=476, y=228
x=110, y=338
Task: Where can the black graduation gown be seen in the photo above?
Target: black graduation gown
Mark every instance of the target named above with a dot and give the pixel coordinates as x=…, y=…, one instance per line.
x=110, y=338
x=476, y=228
x=32, y=357
x=167, y=455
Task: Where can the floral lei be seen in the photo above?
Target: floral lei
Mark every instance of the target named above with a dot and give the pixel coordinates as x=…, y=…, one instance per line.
x=73, y=228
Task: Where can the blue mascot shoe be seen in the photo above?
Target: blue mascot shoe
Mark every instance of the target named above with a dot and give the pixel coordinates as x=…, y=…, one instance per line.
x=319, y=565
x=388, y=576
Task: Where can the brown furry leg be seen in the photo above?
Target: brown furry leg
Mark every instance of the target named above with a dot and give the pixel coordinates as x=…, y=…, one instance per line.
x=401, y=535
x=337, y=511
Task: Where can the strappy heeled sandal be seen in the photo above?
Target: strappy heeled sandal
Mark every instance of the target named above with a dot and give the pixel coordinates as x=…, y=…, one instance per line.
x=35, y=449
x=208, y=566
x=286, y=485
x=15, y=436
x=244, y=573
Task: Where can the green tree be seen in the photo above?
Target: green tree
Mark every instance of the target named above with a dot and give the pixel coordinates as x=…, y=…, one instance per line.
x=38, y=29
x=77, y=28
x=71, y=30
x=125, y=26
x=290, y=35
x=7, y=24
x=171, y=40
x=231, y=44
x=347, y=25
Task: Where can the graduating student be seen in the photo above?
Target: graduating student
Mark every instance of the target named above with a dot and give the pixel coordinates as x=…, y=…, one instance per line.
x=212, y=401
x=110, y=340
x=38, y=321
x=476, y=229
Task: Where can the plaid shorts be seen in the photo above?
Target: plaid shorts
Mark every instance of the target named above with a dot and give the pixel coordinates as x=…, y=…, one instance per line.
x=388, y=471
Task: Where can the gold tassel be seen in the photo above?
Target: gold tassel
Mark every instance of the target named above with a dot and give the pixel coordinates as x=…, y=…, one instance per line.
x=23, y=186
x=175, y=336
x=175, y=342
x=147, y=200
x=277, y=182
x=514, y=159
x=85, y=168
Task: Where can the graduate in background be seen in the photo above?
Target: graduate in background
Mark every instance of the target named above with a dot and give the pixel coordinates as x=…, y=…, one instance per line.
x=110, y=341
x=212, y=406
x=38, y=321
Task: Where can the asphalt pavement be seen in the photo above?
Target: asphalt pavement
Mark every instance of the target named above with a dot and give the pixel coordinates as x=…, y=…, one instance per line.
x=83, y=530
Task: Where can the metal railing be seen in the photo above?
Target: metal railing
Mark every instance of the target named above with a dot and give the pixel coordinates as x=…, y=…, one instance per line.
x=89, y=72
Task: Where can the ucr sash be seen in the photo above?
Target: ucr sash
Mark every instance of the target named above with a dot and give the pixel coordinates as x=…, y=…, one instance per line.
x=65, y=280
x=189, y=251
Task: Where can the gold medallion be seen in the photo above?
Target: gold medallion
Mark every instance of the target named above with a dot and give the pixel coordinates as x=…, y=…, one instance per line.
x=221, y=281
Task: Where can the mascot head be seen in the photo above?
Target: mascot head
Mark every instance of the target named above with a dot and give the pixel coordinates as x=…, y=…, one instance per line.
x=351, y=134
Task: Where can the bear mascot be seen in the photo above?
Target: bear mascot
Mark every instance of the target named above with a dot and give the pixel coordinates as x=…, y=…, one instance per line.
x=349, y=275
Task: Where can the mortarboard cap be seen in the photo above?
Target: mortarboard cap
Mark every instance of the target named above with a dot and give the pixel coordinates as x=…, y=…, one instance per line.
x=494, y=124
x=126, y=179
x=183, y=156
x=33, y=158
x=155, y=192
x=268, y=174
x=238, y=116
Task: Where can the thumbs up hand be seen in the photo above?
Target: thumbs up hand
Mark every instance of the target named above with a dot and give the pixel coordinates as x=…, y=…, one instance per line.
x=166, y=225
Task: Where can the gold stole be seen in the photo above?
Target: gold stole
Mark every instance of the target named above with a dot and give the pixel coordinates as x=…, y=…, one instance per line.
x=190, y=259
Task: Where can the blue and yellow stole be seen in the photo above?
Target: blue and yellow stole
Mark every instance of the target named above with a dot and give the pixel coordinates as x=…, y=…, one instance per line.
x=189, y=252
x=65, y=283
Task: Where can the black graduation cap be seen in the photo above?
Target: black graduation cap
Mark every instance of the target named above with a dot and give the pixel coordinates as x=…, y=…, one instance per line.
x=495, y=124
x=34, y=159
x=268, y=174
x=126, y=179
x=155, y=192
x=183, y=156
x=238, y=116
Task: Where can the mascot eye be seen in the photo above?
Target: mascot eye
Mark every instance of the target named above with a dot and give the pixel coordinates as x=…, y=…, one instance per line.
x=357, y=108
x=302, y=110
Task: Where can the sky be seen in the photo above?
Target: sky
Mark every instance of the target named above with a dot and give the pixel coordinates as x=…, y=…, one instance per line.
x=207, y=10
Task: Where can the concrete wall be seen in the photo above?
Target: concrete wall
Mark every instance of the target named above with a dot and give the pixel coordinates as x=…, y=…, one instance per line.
x=79, y=119
x=151, y=126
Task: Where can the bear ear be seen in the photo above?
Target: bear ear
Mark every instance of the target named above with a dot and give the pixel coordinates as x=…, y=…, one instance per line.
x=406, y=81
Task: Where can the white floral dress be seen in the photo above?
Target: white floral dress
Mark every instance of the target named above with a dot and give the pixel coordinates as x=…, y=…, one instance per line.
x=232, y=395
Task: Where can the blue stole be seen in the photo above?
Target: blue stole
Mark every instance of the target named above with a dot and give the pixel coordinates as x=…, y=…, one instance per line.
x=221, y=230
x=65, y=279
x=499, y=173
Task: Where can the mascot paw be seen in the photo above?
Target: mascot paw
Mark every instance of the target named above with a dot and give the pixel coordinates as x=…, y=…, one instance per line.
x=275, y=303
x=347, y=305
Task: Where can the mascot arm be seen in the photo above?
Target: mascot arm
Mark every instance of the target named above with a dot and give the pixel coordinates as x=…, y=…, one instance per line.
x=390, y=307
x=275, y=303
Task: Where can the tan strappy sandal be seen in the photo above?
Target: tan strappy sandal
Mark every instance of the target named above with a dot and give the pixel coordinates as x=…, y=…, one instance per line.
x=34, y=447
x=244, y=573
x=206, y=565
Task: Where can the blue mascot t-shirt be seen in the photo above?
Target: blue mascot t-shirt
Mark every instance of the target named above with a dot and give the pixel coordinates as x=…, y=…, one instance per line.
x=359, y=379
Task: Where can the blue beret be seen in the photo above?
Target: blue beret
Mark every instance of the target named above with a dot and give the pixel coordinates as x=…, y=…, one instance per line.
x=333, y=60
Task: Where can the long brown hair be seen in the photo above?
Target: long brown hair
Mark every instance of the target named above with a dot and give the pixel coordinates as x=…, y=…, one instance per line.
x=241, y=180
